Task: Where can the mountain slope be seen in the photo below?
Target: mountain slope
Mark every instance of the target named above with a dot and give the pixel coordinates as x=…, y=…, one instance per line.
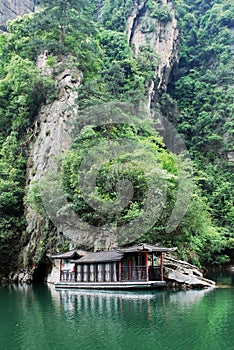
x=125, y=54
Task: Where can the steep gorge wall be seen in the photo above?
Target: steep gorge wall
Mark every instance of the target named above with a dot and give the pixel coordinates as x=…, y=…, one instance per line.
x=51, y=128
x=51, y=138
x=10, y=9
x=160, y=35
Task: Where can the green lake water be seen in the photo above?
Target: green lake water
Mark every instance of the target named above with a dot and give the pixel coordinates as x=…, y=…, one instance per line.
x=40, y=318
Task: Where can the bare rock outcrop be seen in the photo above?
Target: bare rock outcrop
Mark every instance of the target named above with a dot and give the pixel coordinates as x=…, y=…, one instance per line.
x=161, y=36
x=180, y=274
x=10, y=9
x=51, y=138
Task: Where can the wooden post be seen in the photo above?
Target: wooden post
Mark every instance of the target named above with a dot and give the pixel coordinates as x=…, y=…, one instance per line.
x=75, y=273
x=161, y=266
x=95, y=273
x=120, y=271
x=61, y=268
x=130, y=268
x=114, y=272
x=147, y=265
x=139, y=266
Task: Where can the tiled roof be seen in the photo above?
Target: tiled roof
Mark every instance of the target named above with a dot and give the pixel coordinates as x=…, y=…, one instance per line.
x=72, y=254
x=146, y=247
x=100, y=257
x=80, y=256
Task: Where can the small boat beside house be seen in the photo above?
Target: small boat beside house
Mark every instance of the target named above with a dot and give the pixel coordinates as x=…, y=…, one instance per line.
x=137, y=267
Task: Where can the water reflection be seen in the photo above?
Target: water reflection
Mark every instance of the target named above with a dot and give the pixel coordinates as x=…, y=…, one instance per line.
x=195, y=319
x=41, y=318
x=111, y=303
x=223, y=277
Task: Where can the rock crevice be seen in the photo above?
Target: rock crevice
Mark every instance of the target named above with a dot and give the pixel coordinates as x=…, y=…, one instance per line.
x=160, y=35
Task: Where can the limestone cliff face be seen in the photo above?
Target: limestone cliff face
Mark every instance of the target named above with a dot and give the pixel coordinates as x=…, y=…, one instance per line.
x=51, y=139
x=161, y=35
x=10, y=9
x=51, y=129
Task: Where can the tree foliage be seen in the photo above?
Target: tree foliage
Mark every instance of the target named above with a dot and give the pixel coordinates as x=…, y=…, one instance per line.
x=203, y=89
x=199, y=101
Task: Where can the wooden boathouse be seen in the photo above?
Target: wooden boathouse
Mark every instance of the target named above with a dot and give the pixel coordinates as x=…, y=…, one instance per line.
x=135, y=267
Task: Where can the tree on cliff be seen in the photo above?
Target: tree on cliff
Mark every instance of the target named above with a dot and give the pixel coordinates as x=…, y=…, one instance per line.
x=201, y=89
x=62, y=21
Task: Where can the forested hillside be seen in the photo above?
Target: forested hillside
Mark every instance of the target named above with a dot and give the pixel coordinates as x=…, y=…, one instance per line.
x=195, y=94
x=202, y=87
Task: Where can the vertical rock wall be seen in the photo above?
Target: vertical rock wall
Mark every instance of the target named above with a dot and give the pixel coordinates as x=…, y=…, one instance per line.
x=51, y=129
x=51, y=139
x=161, y=36
x=10, y=9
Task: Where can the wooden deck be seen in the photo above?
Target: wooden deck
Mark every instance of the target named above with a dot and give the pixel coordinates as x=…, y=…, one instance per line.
x=111, y=285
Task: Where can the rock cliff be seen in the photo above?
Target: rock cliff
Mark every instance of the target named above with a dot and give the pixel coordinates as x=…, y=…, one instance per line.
x=51, y=139
x=10, y=9
x=182, y=275
x=51, y=129
x=160, y=34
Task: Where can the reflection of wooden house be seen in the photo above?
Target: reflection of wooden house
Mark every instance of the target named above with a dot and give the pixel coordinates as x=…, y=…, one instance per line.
x=136, y=267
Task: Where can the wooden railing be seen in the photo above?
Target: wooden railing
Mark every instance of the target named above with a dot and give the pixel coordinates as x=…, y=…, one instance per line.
x=133, y=273
x=123, y=273
x=67, y=275
x=139, y=273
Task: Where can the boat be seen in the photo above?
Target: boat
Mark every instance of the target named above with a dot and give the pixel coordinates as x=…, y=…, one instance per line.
x=136, y=267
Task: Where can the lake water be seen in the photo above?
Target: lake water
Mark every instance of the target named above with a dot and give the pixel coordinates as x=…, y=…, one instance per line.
x=40, y=318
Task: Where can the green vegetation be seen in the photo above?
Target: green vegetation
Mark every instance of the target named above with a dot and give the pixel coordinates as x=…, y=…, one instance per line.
x=150, y=168
x=159, y=11
x=22, y=91
x=114, y=14
x=199, y=101
x=203, y=89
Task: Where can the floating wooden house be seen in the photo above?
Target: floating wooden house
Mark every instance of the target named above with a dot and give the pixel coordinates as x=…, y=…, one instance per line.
x=137, y=267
